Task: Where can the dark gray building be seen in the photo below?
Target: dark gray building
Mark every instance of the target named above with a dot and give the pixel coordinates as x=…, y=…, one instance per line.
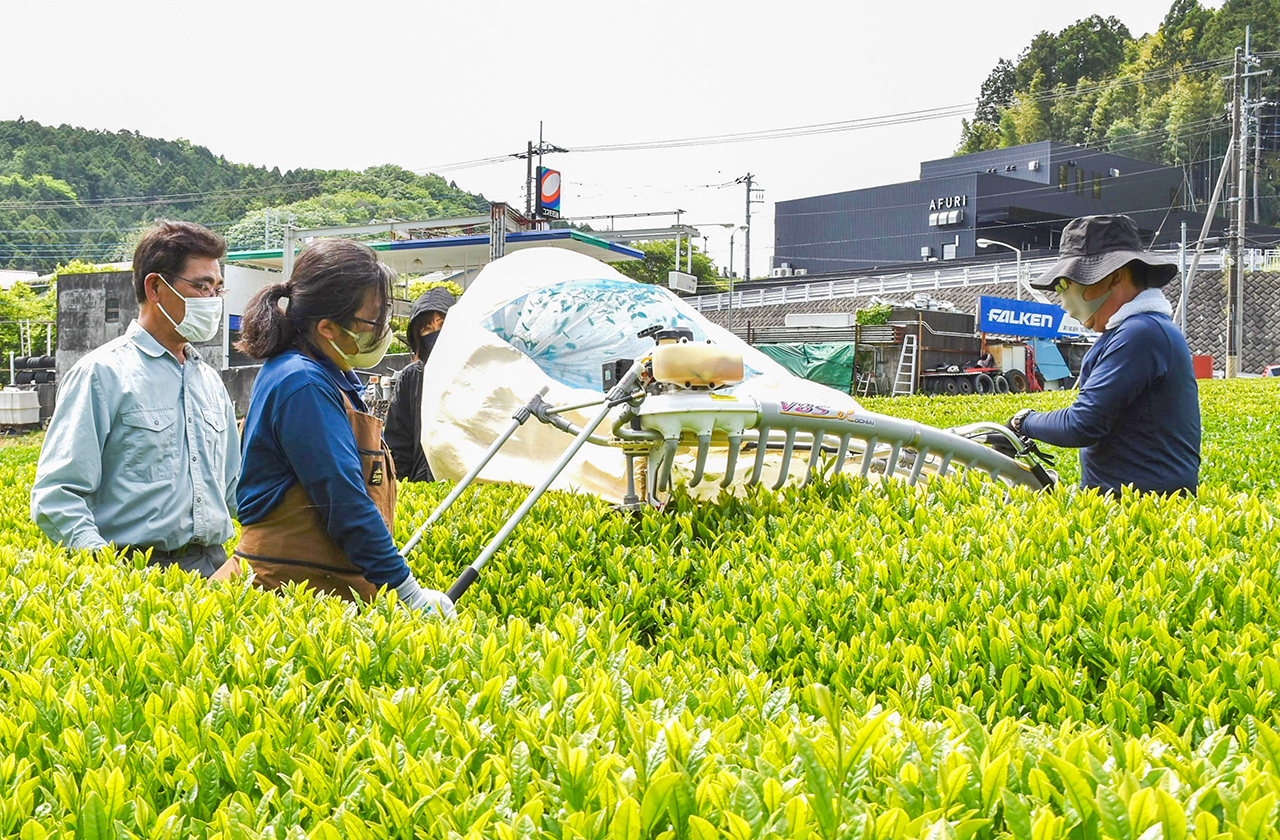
x=1021, y=196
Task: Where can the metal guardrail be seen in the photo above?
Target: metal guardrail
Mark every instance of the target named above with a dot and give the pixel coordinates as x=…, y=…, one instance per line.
x=921, y=281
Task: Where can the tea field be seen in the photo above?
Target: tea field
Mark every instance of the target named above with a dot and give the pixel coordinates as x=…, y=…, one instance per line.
x=848, y=660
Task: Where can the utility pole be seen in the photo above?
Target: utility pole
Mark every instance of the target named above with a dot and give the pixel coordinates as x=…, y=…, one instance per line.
x=528, y=154
x=1257, y=156
x=748, y=179
x=1245, y=117
x=1240, y=147
x=1237, y=219
x=528, y=181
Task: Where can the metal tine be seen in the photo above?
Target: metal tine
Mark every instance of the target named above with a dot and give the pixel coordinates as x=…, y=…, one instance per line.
x=814, y=454
x=867, y=455
x=762, y=446
x=731, y=462
x=704, y=444
x=787, y=449
x=844, y=450
x=894, y=454
x=666, y=464
x=944, y=464
x=921, y=456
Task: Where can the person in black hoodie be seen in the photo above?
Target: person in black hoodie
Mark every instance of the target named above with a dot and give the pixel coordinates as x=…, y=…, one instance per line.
x=403, y=431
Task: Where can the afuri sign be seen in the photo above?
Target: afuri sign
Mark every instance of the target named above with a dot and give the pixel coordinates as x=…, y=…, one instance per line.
x=948, y=202
x=1019, y=317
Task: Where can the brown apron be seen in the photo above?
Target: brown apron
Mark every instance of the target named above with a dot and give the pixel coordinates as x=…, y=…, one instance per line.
x=291, y=545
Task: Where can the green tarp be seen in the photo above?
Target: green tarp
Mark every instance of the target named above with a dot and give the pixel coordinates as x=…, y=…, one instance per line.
x=828, y=364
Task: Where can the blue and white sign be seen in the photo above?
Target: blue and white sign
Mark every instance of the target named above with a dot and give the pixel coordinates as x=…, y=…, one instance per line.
x=1020, y=317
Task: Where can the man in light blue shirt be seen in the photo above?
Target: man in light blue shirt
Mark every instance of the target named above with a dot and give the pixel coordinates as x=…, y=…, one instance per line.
x=142, y=451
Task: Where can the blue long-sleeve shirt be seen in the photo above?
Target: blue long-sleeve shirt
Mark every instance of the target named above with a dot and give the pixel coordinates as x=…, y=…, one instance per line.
x=297, y=432
x=1137, y=417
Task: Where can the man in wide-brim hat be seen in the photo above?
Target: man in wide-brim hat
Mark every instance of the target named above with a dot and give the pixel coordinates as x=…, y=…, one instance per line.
x=1136, y=419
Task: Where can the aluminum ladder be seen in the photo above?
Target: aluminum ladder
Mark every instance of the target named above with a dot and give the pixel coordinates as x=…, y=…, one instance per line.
x=905, y=381
x=866, y=384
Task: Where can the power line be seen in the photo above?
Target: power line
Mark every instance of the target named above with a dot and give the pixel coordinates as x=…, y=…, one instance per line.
x=860, y=123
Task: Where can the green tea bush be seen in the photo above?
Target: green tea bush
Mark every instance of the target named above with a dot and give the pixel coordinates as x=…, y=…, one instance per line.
x=847, y=660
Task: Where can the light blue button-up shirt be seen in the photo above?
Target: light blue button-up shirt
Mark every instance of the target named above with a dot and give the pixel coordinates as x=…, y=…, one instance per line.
x=141, y=450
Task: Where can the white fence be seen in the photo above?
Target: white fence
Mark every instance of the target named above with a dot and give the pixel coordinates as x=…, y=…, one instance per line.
x=957, y=277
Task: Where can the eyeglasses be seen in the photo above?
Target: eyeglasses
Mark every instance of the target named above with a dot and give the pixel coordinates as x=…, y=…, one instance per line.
x=204, y=287
x=373, y=324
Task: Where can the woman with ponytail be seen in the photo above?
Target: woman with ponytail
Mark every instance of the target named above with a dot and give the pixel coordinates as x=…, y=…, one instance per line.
x=317, y=488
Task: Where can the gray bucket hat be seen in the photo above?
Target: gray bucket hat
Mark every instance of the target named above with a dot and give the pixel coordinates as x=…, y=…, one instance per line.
x=1093, y=247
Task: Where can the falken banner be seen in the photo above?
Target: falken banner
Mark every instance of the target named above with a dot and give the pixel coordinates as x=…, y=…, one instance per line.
x=1020, y=317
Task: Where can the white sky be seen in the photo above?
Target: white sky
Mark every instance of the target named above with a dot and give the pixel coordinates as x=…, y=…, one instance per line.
x=427, y=83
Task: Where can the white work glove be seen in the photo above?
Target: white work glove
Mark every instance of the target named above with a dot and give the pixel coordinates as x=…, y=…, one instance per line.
x=413, y=596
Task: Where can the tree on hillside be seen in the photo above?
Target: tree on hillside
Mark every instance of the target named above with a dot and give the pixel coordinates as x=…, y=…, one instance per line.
x=177, y=179
x=1092, y=47
x=1181, y=32
x=659, y=260
x=977, y=137
x=1156, y=98
x=996, y=95
x=20, y=303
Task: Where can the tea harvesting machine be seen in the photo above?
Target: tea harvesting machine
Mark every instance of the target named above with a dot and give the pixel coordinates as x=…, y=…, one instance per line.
x=675, y=395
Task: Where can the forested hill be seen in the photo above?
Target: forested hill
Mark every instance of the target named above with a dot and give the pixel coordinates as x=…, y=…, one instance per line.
x=69, y=192
x=1159, y=97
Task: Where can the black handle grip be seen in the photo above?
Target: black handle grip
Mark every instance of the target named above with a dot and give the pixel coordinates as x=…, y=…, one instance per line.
x=463, y=582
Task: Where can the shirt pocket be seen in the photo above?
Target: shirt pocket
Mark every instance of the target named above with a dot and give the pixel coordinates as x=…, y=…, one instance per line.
x=149, y=450
x=211, y=428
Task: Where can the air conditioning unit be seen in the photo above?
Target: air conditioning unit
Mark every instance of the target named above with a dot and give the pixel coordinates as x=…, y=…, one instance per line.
x=1114, y=173
x=1034, y=166
x=801, y=272
x=925, y=252
x=681, y=282
x=781, y=271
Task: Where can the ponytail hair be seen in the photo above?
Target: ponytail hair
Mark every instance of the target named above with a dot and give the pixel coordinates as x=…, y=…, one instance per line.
x=330, y=280
x=266, y=330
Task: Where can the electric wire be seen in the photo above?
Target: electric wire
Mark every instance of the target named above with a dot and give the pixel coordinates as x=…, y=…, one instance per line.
x=898, y=118
x=891, y=119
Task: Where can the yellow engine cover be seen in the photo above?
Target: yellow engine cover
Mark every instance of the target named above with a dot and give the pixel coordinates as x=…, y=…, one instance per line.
x=697, y=364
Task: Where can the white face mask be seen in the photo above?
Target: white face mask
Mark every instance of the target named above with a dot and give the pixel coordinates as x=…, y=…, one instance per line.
x=369, y=348
x=202, y=318
x=1073, y=301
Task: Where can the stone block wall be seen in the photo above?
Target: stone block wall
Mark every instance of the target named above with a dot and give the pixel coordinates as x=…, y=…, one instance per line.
x=1206, y=314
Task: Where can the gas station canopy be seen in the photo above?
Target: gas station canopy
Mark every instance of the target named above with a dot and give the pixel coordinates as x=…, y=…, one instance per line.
x=423, y=256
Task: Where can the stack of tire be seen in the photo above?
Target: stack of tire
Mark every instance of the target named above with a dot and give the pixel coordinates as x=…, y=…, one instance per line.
x=33, y=370
x=1011, y=381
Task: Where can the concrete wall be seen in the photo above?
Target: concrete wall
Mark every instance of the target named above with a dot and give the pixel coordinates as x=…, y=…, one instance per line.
x=83, y=301
x=86, y=300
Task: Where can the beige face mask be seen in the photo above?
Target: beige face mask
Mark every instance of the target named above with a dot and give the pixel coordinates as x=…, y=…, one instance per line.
x=1073, y=301
x=369, y=348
